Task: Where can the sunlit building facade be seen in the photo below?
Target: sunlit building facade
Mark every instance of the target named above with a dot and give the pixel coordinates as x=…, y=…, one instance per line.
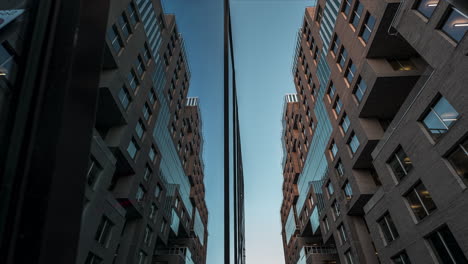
x=375, y=139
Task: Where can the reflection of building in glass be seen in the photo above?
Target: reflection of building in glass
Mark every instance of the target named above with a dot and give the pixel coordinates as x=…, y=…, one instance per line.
x=374, y=138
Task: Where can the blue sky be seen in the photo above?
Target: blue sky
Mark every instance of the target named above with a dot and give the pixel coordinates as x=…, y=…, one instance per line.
x=264, y=34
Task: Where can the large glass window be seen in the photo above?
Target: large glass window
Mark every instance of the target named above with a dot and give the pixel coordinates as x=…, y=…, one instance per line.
x=115, y=39
x=342, y=232
x=387, y=227
x=124, y=97
x=440, y=117
x=456, y=24
x=133, y=14
x=124, y=26
x=344, y=124
x=335, y=45
x=401, y=258
x=427, y=7
x=360, y=89
x=342, y=57
x=400, y=163
x=349, y=257
x=445, y=247
x=132, y=80
x=338, y=106
x=350, y=72
x=346, y=7
x=104, y=231
x=133, y=148
x=420, y=201
x=353, y=143
x=357, y=13
x=348, y=191
x=140, y=129
x=459, y=159
x=367, y=28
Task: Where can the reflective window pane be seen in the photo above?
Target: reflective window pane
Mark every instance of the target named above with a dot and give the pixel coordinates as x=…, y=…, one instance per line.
x=456, y=25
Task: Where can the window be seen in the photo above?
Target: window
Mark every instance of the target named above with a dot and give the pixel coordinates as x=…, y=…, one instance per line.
x=353, y=143
x=124, y=26
x=94, y=171
x=331, y=91
x=420, y=201
x=336, y=209
x=319, y=14
x=142, y=258
x=348, y=191
x=338, y=106
x=124, y=97
x=152, y=96
x=132, y=11
x=152, y=213
x=400, y=163
x=459, y=160
x=427, y=7
x=340, y=168
x=157, y=191
x=132, y=80
x=146, y=112
x=342, y=57
x=330, y=189
x=140, y=65
x=367, y=28
x=146, y=53
x=342, y=232
x=140, y=195
x=7, y=59
x=333, y=150
x=326, y=224
x=152, y=154
x=349, y=257
x=115, y=39
x=360, y=89
x=93, y=259
x=140, y=129
x=148, y=236
x=346, y=7
x=357, y=13
x=133, y=148
x=440, y=117
x=335, y=45
x=350, y=72
x=401, y=258
x=455, y=25
x=104, y=231
x=445, y=247
x=387, y=227
x=401, y=64
x=344, y=124
x=163, y=226
x=147, y=174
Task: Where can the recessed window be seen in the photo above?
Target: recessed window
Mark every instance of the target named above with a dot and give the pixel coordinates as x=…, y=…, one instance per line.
x=335, y=45
x=345, y=123
x=326, y=225
x=347, y=7
x=146, y=112
x=348, y=191
x=94, y=170
x=140, y=65
x=336, y=209
x=331, y=91
x=152, y=154
x=132, y=80
x=350, y=72
x=440, y=117
x=401, y=64
x=349, y=257
x=340, y=168
x=163, y=226
x=387, y=227
x=401, y=258
x=360, y=89
x=157, y=191
x=142, y=257
x=316, y=55
x=342, y=57
x=342, y=232
x=146, y=53
x=400, y=163
x=446, y=247
x=124, y=26
x=93, y=259
x=152, y=213
x=330, y=189
x=427, y=7
x=459, y=160
x=124, y=97
x=133, y=14
x=133, y=148
x=319, y=16
x=147, y=174
x=333, y=150
x=357, y=13
x=140, y=195
x=148, y=236
x=115, y=39
x=367, y=28
x=420, y=201
x=140, y=129
x=353, y=143
x=456, y=24
x=338, y=106
x=152, y=96
x=104, y=231
x=7, y=59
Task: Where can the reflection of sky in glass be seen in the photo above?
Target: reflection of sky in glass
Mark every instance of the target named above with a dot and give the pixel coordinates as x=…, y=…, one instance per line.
x=441, y=117
x=427, y=7
x=456, y=25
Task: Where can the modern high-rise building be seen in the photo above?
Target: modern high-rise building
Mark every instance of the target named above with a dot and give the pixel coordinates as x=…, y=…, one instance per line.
x=145, y=195
x=375, y=140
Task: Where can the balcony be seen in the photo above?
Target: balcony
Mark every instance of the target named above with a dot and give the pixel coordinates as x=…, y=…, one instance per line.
x=386, y=85
x=318, y=254
x=175, y=255
x=364, y=184
x=369, y=136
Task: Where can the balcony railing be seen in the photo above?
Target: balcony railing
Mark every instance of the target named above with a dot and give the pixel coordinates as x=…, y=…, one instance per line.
x=309, y=250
